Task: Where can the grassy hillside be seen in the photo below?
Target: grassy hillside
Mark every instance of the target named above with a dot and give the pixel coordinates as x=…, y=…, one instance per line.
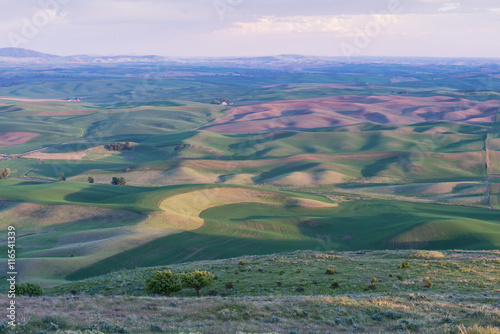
x=291, y=293
x=346, y=157
x=244, y=229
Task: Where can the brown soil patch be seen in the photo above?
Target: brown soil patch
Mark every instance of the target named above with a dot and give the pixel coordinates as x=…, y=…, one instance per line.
x=26, y=100
x=98, y=152
x=16, y=138
x=348, y=110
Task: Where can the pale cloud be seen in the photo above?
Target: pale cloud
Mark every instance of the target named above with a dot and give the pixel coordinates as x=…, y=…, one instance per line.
x=434, y=1
x=339, y=25
x=449, y=6
x=258, y=27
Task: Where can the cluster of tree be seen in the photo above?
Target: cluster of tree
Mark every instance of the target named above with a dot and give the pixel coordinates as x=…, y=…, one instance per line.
x=220, y=100
x=4, y=173
x=118, y=181
x=118, y=146
x=180, y=147
x=29, y=289
x=164, y=282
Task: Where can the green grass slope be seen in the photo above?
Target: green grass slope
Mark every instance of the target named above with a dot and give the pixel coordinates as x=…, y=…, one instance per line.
x=244, y=229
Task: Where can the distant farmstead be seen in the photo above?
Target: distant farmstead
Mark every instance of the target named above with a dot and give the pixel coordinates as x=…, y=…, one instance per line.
x=74, y=99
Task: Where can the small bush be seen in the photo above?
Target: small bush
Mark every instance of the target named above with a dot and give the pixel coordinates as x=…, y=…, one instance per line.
x=274, y=320
x=29, y=289
x=373, y=280
x=241, y=263
x=260, y=269
x=393, y=315
x=163, y=283
x=335, y=285
x=229, y=285
x=405, y=264
x=197, y=280
x=400, y=277
x=107, y=328
x=278, y=284
x=52, y=327
x=428, y=284
x=330, y=271
x=155, y=328
x=390, y=275
x=52, y=323
x=300, y=288
x=372, y=286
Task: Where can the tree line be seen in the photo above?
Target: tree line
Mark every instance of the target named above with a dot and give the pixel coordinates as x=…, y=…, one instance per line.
x=118, y=146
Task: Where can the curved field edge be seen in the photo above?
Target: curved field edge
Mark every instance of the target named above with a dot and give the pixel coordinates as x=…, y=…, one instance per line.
x=177, y=208
x=141, y=199
x=259, y=228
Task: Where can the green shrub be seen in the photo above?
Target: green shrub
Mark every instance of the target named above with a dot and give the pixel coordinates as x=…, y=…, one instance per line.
x=400, y=277
x=197, y=280
x=393, y=315
x=373, y=280
x=390, y=275
x=300, y=288
x=155, y=328
x=330, y=271
x=428, y=284
x=29, y=289
x=241, y=263
x=4, y=173
x=163, y=283
x=229, y=285
x=405, y=264
x=335, y=285
x=52, y=323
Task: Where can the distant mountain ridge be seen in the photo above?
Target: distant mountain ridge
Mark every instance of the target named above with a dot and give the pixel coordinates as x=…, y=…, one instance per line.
x=20, y=55
x=23, y=53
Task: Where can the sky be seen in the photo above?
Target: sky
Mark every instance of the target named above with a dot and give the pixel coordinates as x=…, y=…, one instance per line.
x=224, y=28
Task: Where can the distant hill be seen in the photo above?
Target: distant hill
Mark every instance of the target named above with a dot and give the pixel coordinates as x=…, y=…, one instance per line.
x=23, y=53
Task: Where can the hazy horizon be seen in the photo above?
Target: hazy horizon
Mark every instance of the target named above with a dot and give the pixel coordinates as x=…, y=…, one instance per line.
x=243, y=28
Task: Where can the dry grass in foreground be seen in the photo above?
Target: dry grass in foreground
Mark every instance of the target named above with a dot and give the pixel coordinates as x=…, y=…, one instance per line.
x=408, y=313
